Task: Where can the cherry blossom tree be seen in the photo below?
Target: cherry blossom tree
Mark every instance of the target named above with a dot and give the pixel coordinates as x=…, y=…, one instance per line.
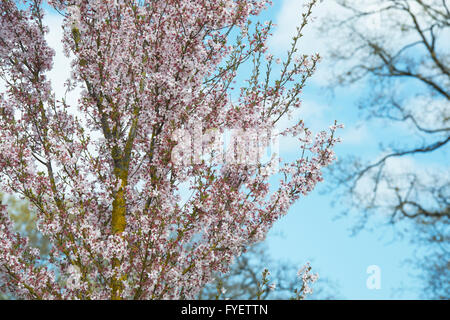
x=104, y=174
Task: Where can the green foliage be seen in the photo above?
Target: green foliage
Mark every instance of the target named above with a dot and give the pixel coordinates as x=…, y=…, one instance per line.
x=25, y=223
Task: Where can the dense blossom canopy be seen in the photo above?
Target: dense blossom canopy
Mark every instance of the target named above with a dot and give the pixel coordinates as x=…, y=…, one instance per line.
x=102, y=175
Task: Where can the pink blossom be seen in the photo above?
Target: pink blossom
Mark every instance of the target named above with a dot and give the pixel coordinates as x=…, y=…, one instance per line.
x=106, y=184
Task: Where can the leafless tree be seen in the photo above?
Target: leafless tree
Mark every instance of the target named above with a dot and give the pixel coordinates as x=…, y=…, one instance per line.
x=244, y=280
x=398, y=52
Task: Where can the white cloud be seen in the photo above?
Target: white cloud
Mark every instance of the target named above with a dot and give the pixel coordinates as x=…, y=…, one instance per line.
x=287, y=20
x=61, y=64
x=313, y=41
x=313, y=114
x=355, y=135
x=397, y=177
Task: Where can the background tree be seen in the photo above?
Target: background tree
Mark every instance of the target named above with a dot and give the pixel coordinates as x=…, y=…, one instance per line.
x=25, y=223
x=105, y=174
x=242, y=281
x=398, y=50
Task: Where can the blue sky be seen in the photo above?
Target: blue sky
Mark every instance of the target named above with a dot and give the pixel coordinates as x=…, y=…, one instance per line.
x=310, y=231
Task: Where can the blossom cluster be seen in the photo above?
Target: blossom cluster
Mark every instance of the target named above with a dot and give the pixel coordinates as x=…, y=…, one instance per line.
x=100, y=174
